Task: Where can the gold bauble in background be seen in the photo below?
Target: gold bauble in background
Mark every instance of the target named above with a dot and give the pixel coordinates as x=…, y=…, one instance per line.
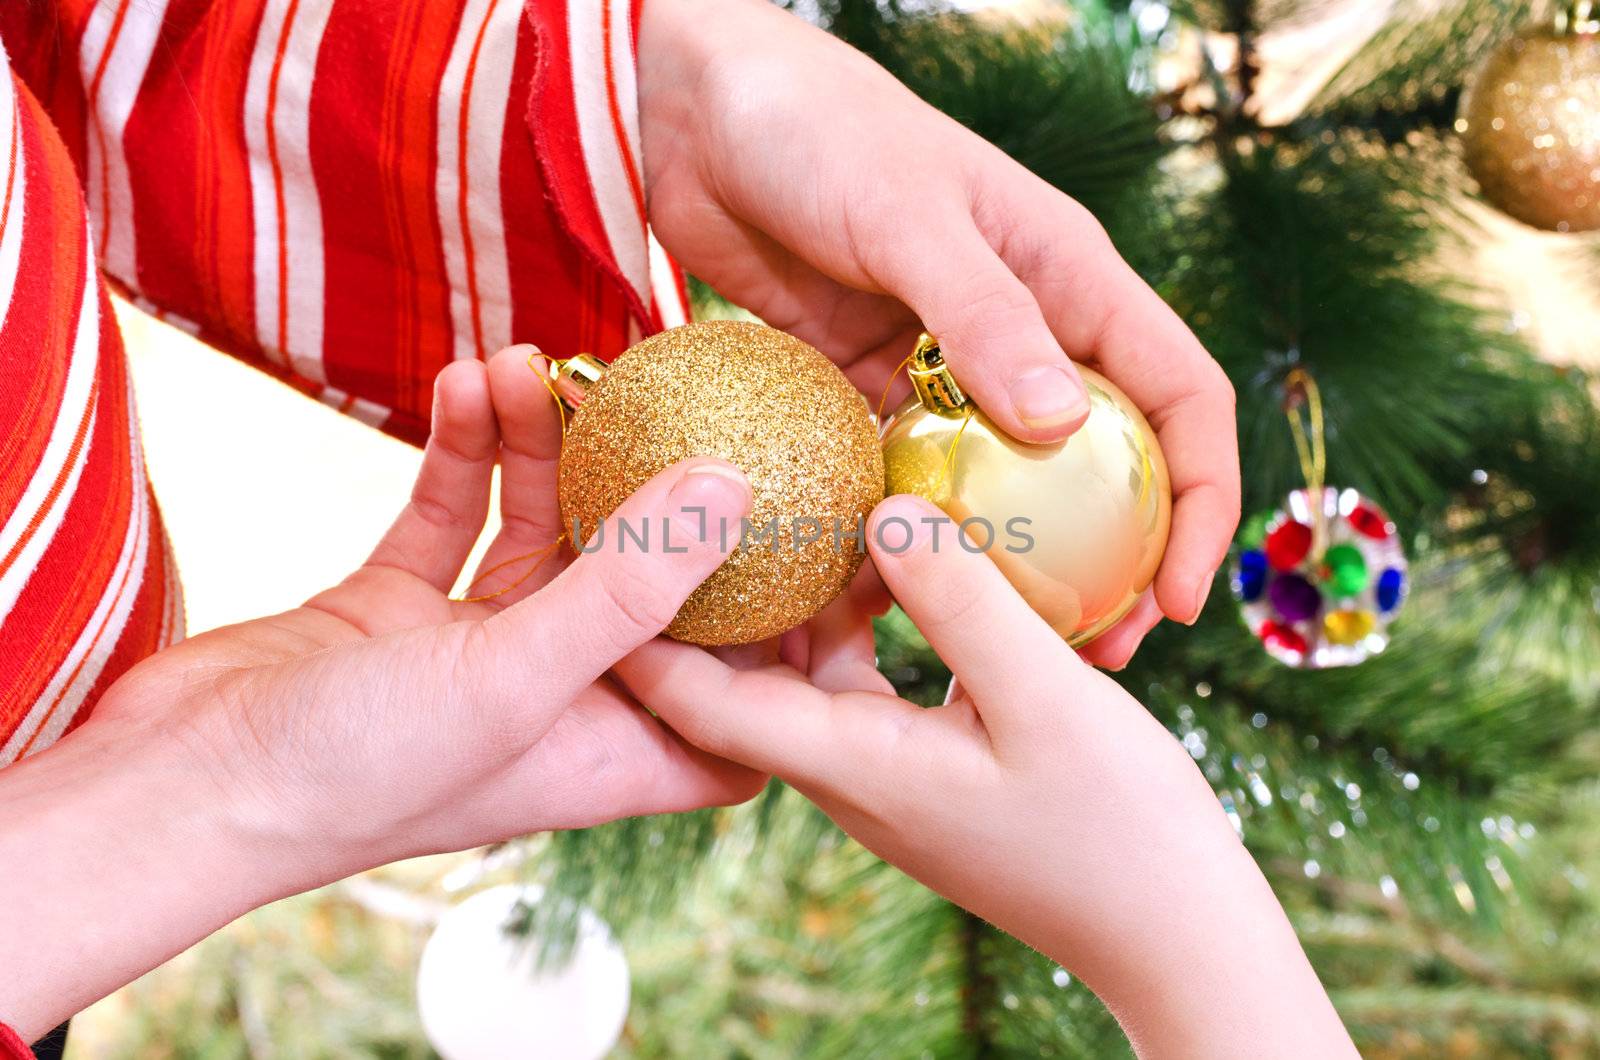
x=1078, y=528
x=767, y=403
x=1530, y=126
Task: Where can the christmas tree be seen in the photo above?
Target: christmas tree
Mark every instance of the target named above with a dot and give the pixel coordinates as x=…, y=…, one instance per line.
x=1428, y=817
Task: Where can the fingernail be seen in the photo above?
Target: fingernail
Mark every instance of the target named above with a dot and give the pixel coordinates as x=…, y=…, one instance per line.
x=707, y=498
x=1048, y=397
x=1201, y=598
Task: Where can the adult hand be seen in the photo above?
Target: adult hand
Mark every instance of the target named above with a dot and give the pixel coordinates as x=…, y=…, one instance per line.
x=802, y=181
x=378, y=721
x=1040, y=796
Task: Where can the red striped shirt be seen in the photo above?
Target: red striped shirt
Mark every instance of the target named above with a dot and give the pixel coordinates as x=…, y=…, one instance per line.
x=344, y=193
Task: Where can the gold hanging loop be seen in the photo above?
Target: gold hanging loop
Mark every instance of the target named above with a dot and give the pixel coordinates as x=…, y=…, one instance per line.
x=883, y=399
x=1302, y=404
x=538, y=555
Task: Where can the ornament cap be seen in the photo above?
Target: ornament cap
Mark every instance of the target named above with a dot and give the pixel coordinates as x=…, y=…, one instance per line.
x=571, y=379
x=936, y=387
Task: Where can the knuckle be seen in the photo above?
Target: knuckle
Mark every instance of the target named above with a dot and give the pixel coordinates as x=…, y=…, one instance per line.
x=635, y=600
x=597, y=757
x=1218, y=385
x=530, y=529
x=996, y=305
x=1082, y=225
x=1065, y=247
x=436, y=513
x=705, y=732
x=705, y=728
x=957, y=602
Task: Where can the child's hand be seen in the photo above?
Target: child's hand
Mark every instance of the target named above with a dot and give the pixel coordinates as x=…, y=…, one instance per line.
x=1040, y=796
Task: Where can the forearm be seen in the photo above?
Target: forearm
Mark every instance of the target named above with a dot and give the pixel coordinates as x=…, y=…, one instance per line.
x=117, y=851
x=1192, y=951
x=1221, y=975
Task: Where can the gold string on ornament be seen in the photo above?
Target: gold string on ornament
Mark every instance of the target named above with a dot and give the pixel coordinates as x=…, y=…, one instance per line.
x=542, y=553
x=538, y=555
x=1300, y=392
x=950, y=457
x=883, y=399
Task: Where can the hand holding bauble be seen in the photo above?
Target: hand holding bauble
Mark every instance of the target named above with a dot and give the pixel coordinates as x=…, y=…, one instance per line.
x=1078, y=527
x=767, y=403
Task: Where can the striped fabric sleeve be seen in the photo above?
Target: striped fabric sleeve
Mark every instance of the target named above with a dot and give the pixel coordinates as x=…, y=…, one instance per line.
x=13, y=1047
x=87, y=587
x=346, y=194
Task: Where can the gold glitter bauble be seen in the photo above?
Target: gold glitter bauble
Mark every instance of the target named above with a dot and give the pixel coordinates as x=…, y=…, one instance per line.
x=775, y=408
x=1078, y=528
x=1530, y=124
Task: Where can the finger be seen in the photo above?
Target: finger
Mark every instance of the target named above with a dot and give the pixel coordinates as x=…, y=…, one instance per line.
x=868, y=593
x=622, y=762
x=1103, y=312
x=1204, y=517
x=1113, y=648
x=1190, y=403
x=432, y=537
x=866, y=596
x=990, y=330
x=530, y=449
x=768, y=721
x=619, y=594
x=844, y=655
x=709, y=703
x=794, y=649
x=1016, y=667
x=753, y=656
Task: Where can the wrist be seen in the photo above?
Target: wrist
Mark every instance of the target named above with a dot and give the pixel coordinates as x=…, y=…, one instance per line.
x=1196, y=952
x=121, y=851
x=699, y=61
x=673, y=60
x=155, y=785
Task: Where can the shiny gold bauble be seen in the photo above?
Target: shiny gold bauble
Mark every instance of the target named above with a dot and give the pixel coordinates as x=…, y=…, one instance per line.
x=772, y=406
x=1530, y=126
x=1078, y=528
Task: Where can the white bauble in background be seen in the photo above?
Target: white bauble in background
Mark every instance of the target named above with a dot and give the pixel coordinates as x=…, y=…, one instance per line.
x=482, y=995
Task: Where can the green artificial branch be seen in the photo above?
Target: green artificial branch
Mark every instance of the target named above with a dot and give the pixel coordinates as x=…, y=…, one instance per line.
x=978, y=994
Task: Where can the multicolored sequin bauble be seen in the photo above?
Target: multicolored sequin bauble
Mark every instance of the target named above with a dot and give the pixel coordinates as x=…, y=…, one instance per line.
x=1320, y=588
x=1530, y=127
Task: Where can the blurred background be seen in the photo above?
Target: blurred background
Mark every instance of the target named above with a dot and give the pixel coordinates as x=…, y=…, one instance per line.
x=1296, y=178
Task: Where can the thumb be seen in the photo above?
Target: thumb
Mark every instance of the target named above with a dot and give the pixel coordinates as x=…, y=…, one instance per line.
x=635, y=571
x=992, y=332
